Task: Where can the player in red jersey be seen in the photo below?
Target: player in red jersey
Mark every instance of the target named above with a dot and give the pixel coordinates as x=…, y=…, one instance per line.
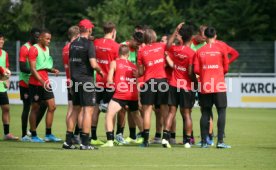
x=24, y=85
x=4, y=86
x=123, y=73
x=40, y=89
x=133, y=44
x=106, y=51
x=181, y=90
x=151, y=64
x=73, y=33
x=234, y=54
x=211, y=64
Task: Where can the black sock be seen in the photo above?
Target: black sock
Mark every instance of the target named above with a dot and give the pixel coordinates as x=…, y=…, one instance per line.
x=77, y=130
x=157, y=135
x=166, y=135
x=110, y=135
x=221, y=123
x=69, y=136
x=192, y=135
x=146, y=135
x=188, y=139
x=85, y=139
x=80, y=131
x=24, y=117
x=94, y=132
x=172, y=135
x=120, y=129
x=140, y=134
x=33, y=133
x=184, y=134
x=204, y=128
x=42, y=110
x=6, y=129
x=210, y=136
x=48, y=131
x=132, y=133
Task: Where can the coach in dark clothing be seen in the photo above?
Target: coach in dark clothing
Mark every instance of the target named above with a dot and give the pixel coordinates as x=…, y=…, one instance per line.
x=82, y=64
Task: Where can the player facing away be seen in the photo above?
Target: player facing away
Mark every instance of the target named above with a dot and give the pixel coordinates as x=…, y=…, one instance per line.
x=40, y=88
x=123, y=74
x=4, y=85
x=24, y=77
x=151, y=64
x=82, y=64
x=107, y=50
x=133, y=45
x=211, y=64
x=73, y=33
x=181, y=91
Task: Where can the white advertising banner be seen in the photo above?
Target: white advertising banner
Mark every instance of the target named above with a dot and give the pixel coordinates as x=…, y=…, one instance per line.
x=58, y=86
x=254, y=92
x=242, y=92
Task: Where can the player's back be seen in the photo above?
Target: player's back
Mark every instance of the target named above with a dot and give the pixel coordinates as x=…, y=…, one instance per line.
x=106, y=51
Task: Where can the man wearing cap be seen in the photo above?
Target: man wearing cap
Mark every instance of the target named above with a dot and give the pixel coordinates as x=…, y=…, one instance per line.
x=82, y=64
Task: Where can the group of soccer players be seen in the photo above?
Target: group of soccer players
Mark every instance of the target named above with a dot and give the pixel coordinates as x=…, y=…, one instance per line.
x=132, y=79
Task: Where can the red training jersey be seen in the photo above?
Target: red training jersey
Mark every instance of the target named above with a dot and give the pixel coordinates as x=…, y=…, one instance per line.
x=211, y=63
x=33, y=53
x=107, y=50
x=229, y=50
x=182, y=57
x=65, y=59
x=23, y=56
x=125, y=82
x=2, y=70
x=152, y=57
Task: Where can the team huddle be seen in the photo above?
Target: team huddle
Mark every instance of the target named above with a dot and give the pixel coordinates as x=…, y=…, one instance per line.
x=127, y=80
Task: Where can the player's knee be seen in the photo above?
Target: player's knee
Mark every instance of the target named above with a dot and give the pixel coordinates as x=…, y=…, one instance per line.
x=52, y=108
x=6, y=109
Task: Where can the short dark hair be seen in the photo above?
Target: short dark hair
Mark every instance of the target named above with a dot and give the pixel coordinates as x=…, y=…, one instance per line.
x=34, y=30
x=210, y=32
x=186, y=33
x=1, y=34
x=140, y=27
x=138, y=36
x=45, y=31
x=108, y=27
x=123, y=50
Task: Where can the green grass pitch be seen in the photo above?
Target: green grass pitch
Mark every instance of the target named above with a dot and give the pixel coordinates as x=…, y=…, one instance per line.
x=250, y=132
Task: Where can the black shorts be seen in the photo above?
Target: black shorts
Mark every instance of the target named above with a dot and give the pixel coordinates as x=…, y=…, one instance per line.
x=207, y=100
x=104, y=94
x=132, y=104
x=69, y=95
x=185, y=99
x=152, y=95
x=38, y=93
x=4, y=99
x=83, y=97
x=24, y=94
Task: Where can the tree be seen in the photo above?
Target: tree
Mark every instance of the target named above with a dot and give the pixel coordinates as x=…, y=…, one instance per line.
x=15, y=18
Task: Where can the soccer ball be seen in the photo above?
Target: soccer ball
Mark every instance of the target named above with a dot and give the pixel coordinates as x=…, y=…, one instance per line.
x=5, y=76
x=103, y=106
